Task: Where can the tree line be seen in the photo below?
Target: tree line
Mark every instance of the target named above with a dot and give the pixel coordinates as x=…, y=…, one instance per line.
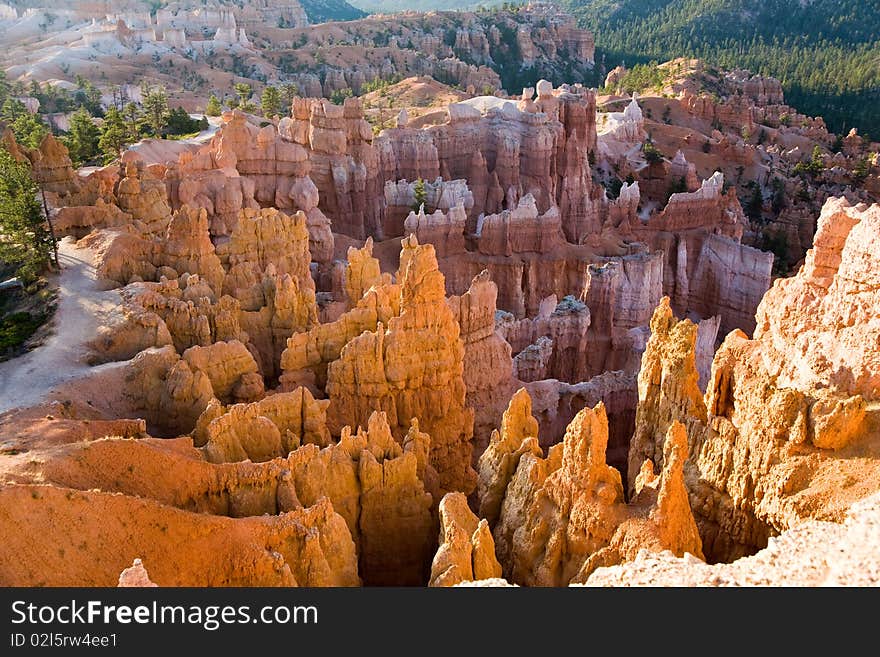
x=95, y=135
x=825, y=52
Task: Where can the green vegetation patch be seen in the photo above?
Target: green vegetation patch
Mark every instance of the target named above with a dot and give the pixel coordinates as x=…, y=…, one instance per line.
x=16, y=329
x=825, y=52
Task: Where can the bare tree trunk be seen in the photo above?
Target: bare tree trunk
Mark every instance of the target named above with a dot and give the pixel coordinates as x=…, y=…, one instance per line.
x=51, y=227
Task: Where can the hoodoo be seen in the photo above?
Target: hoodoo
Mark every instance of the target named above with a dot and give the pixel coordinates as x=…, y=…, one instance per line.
x=414, y=299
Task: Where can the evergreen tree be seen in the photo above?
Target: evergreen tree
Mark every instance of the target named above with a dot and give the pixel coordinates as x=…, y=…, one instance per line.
x=289, y=91
x=132, y=116
x=156, y=110
x=756, y=204
x=213, y=108
x=25, y=237
x=652, y=153
x=339, y=95
x=29, y=129
x=5, y=87
x=677, y=186
x=779, y=197
x=420, y=194
x=243, y=91
x=862, y=169
x=824, y=52
x=181, y=123
x=270, y=102
x=114, y=135
x=87, y=95
x=82, y=139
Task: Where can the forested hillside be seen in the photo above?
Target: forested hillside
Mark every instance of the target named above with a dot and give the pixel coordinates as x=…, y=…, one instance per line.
x=825, y=52
x=393, y=6
x=320, y=11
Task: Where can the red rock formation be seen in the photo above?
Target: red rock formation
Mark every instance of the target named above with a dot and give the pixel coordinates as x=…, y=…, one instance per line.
x=564, y=329
x=620, y=294
x=263, y=430
x=80, y=220
x=554, y=405
x=379, y=488
x=172, y=391
x=305, y=359
x=52, y=167
x=200, y=180
x=444, y=230
x=343, y=163
x=502, y=152
x=533, y=362
x=520, y=230
x=245, y=167
x=143, y=196
x=376, y=484
x=187, y=248
x=443, y=195
x=85, y=538
x=707, y=270
x=362, y=271
x=395, y=542
x=518, y=436
x=130, y=329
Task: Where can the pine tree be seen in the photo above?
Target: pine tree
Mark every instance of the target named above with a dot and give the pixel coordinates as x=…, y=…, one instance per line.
x=756, y=204
x=28, y=128
x=132, y=116
x=82, y=140
x=420, y=194
x=5, y=87
x=181, y=123
x=156, y=110
x=270, y=102
x=243, y=91
x=114, y=135
x=214, y=108
x=25, y=239
x=289, y=91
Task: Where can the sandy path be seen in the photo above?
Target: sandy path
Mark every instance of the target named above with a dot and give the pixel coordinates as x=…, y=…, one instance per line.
x=25, y=380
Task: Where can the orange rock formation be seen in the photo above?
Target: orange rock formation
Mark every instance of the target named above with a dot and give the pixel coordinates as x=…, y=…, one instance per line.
x=776, y=432
x=467, y=551
x=411, y=369
x=564, y=516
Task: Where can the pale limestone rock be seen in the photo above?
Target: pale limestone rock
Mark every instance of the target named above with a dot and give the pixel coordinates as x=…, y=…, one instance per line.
x=821, y=327
x=765, y=454
x=135, y=576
